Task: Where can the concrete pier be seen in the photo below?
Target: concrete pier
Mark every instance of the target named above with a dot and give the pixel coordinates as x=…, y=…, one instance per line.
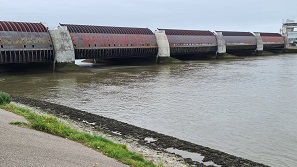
x=163, y=44
x=259, y=42
x=163, y=55
x=221, y=43
x=63, y=46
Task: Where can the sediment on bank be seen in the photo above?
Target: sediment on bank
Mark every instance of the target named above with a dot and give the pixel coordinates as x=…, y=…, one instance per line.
x=161, y=142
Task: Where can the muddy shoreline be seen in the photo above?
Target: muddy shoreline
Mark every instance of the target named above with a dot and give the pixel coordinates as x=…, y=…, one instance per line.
x=161, y=142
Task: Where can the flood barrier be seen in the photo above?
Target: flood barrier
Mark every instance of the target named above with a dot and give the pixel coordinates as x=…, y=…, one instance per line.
x=24, y=43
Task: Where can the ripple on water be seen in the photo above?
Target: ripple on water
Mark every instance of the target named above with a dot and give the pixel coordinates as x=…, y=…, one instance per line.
x=243, y=107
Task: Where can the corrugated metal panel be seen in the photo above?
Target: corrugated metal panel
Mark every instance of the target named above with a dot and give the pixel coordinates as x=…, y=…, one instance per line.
x=104, y=42
x=82, y=40
x=188, y=32
x=106, y=29
x=190, y=42
x=22, y=27
x=272, y=41
x=24, y=42
x=110, y=53
x=272, y=38
x=239, y=41
x=26, y=56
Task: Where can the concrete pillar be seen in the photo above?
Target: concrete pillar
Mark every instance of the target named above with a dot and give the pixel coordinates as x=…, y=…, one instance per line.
x=163, y=44
x=259, y=41
x=221, y=43
x=286, y=39
x=285, y=31
x=63, y=46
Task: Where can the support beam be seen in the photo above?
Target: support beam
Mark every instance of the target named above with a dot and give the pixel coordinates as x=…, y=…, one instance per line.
x=286, y=39
x=63, y=46
x=163, y=44
x=221, y=43
x=259, y=41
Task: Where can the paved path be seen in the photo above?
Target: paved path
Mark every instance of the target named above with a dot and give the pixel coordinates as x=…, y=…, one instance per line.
x=29, y=148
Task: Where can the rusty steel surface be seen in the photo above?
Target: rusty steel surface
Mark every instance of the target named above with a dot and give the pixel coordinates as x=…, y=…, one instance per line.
x=187, y=32
x=109, y=53
x=103, y=42
x=22, y=26
x=272, y=41
x=106, y=29
x=272, y=38
x=240, y=40
x=190, y=42
x=24, y=43
x=236, y=41
x=93, y=41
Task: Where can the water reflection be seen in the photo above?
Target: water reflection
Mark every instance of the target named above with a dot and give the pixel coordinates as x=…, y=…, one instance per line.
x=243, y=107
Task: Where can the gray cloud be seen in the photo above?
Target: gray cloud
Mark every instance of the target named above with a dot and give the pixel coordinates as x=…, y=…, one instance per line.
x=244, y=15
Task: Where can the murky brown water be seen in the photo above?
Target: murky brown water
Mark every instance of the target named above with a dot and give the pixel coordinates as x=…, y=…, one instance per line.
x=247, y=108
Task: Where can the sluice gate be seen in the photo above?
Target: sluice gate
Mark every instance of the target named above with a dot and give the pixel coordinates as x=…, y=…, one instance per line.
x=190, y=42
x=24, y=43
x=102, y=42
x=272, y=41
x=239, y=41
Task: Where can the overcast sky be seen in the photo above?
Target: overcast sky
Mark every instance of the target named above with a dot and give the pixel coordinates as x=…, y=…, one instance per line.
x=235, y=15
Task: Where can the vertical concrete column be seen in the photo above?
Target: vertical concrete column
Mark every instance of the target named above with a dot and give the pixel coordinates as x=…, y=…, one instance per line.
x=63, y=46
x=259, y=41
x=285, y=36
x=221, y=42
x=286, y=39
x=163, y=44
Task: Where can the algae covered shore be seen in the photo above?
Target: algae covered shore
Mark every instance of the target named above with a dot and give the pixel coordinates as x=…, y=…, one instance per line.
x=138, y=139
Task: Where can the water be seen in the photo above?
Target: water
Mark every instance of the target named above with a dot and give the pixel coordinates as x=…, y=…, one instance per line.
x=194, y=156
x=247, y=108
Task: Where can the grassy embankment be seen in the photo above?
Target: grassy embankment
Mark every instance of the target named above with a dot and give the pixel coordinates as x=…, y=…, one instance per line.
x=52, y=125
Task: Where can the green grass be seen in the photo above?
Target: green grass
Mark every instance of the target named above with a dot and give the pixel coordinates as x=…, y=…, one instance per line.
x=19, y=123
x=4, y=98
x=53, y=126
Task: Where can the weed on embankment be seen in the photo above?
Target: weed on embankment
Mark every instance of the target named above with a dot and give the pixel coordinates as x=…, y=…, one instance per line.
x=4, y=98
x=52, y=125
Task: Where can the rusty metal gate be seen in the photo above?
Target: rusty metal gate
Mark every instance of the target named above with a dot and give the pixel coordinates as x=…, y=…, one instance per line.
x=272, y=41
x=190, y=42
x=24, y=43
x=102, y=42
x=239, y=41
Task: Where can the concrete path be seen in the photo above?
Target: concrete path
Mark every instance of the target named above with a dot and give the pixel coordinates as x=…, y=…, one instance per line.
x=26, y=147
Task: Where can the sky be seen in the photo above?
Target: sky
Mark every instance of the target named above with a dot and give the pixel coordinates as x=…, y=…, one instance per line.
x=221, y=15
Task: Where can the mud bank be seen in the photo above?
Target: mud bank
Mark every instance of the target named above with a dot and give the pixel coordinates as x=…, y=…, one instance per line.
x=147, y=138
